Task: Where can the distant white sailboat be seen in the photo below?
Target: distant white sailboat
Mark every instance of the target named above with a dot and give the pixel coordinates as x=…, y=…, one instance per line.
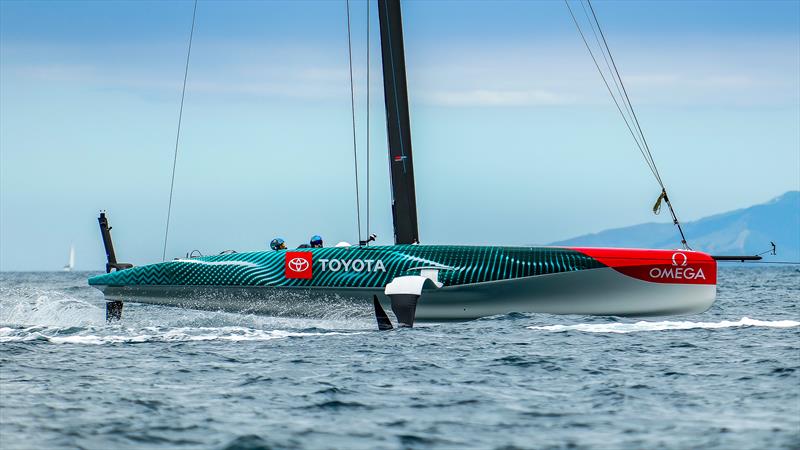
x=71, y=264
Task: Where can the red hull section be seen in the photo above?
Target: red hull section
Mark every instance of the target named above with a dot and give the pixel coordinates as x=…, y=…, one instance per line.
x=658, y=266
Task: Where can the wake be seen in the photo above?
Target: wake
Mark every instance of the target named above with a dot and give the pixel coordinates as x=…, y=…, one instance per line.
x=665, y=326
x=93, y=335
x=31, y=306
x=31, y=314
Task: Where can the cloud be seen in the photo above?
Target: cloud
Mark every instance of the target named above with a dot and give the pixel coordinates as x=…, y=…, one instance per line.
x=279, y=89
x=694, y=80
x=652, y=79
x=438, y=75
x=304, y=82
x=495, y=97
x=56, y=72
x=729, y=81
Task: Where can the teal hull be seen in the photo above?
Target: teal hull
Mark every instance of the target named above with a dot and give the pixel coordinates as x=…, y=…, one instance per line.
x=379, y=265
x=475, y=282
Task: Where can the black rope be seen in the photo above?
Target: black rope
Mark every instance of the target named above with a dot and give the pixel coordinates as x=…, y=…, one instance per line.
x=641, y=133
x=611, y=73
x=625, y=92
x=353, y=113
x=638, y=135
x=178, y=133
x=368, y=67
x=608, y=87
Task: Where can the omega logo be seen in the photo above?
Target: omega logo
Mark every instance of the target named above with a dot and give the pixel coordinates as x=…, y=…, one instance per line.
x=678, y=271
x=678, y=255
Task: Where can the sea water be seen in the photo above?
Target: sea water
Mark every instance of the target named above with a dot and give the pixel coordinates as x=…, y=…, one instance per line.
x=172, y=378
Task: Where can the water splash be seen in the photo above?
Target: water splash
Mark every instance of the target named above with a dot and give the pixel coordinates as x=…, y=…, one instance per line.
x=31, y=306
x=118, y=335
x=76, y=315
x=665, y=326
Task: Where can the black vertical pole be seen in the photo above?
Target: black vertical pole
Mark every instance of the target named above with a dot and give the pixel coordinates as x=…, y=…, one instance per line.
x=111, y=256
x=398, y=124
x=105, y=232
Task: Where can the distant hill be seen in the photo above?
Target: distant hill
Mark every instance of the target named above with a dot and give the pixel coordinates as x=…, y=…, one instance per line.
x=740, y=232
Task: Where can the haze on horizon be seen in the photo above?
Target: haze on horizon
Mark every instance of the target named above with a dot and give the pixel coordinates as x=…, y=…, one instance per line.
x=515, y=139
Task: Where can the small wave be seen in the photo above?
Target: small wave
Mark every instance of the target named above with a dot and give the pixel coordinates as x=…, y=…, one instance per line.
x=664, y=326
x=56, y=335
x=338, y=405
x=246, y=442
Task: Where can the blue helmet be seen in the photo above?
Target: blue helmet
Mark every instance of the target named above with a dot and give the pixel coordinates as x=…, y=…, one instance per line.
x=277, y=244
x=316, y=241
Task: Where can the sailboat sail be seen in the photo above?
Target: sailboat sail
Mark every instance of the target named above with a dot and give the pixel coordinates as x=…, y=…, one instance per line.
x=71, y=262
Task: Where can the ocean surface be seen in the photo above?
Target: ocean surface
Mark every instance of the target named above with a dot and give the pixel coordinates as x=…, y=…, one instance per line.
x=166, y=378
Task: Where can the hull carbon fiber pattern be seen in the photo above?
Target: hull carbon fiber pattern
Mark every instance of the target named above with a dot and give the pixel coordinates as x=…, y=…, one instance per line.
x=477, y=281
x=460, y=265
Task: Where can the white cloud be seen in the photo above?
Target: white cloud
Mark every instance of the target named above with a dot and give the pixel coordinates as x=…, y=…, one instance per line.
x=495, y=97
x=56, y=72
x=652, y=79
x=694, y=80
x=287, y=82
x=485, y=76
x=730, y=81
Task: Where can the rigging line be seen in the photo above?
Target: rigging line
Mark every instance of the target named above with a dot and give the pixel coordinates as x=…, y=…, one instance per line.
x=605, y=58
x=353, y=113
x=613, y=97
x=639, y=127
x=178, y=133
x=368, y=68
x=625, y=91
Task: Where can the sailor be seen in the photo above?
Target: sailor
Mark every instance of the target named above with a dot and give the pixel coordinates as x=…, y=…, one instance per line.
x=316, y=241
x=277, y=244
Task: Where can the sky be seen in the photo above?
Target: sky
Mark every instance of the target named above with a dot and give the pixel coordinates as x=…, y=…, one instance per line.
x=515, y=139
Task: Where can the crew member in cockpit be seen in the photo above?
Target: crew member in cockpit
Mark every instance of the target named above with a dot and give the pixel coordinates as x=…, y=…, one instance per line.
x=277, y=244
x=316, y=241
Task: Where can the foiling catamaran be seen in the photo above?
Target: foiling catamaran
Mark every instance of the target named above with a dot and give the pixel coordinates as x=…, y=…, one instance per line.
x=426, y=282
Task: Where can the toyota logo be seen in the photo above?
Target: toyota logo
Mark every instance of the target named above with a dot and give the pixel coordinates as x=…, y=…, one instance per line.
x=298, y=264
x=679, y=256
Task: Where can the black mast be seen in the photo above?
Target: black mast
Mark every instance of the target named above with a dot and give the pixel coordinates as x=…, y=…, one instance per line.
x=404, y=200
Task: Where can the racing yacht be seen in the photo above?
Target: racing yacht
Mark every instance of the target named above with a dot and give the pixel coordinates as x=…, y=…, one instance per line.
x=419, y=282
